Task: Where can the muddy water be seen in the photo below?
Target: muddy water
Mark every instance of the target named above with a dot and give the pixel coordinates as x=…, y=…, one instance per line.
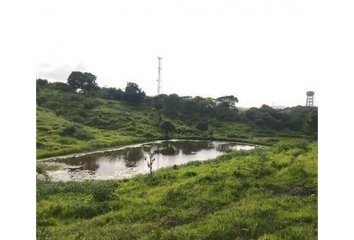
x=130, y=161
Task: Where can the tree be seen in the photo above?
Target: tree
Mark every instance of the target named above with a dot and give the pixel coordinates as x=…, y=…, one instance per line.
x=90, y=84
x=167, y=127
x=252, y=113
x=227, y=101
x=207, y=106
x=171, y=104
x=156, y=102
x=76, y=80
x=112, y=93
x=312, y=122
x=41, y=83
x=133, y=94
x=190, y=106
x=157, y=105
x=61, y=86
x=83, y=81
x=202, y=126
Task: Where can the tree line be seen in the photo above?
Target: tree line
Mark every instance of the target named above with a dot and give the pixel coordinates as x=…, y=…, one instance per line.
x=204, y=110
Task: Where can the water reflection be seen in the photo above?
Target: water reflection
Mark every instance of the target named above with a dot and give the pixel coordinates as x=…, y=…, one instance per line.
x=166, y=149
x=87, y=162
x=224, y=148
x=133, y=155
x=130, y=161
x=195, y=147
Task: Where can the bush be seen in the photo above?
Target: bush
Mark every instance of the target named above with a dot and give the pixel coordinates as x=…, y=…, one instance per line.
x=77, y=132
x=202, y=126
x=168, y=126
x=68, y=131
x=76, y=118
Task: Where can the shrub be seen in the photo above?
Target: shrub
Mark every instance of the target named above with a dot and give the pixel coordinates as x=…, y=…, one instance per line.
x=68, y=131
x=77, y=132
x=202, y=126
x=168, y=126
x=76, y=118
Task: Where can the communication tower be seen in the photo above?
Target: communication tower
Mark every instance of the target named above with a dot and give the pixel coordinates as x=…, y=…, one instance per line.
x=159, y=77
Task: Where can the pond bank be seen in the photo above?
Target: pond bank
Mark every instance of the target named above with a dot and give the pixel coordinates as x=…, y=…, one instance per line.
x=265, y=141
x=131, y=160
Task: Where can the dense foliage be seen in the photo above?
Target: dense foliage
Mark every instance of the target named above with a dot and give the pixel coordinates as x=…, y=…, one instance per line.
x=91, y=116
x=174, y=106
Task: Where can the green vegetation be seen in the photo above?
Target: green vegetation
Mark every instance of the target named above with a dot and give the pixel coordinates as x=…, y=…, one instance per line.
x=259, y=194
x=80, y=116
x=264, y=194
x=59, y=136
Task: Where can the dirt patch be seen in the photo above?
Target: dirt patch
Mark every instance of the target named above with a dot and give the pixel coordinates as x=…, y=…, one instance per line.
x=295, y=191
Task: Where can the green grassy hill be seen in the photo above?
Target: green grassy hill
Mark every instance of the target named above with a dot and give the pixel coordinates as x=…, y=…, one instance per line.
x=265, y=194
x=268, y=194
x=50, y=142
x=69, y=122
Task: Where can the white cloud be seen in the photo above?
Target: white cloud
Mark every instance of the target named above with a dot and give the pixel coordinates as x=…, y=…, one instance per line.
x=259, y=51
x=58, y=74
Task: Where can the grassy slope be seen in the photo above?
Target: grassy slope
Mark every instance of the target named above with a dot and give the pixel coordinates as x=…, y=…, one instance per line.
x=113, y=123
x=231, y=197
x=50, y=143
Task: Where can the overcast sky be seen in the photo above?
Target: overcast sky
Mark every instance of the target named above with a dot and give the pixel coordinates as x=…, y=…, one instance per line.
x=262, y=52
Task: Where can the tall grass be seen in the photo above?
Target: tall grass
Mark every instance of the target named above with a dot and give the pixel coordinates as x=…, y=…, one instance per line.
x=231, y=197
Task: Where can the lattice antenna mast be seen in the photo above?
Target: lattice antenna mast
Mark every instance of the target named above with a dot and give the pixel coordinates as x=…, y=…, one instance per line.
x=159, y=77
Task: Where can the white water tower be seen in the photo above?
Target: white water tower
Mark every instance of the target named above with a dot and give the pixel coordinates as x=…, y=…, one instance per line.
x=310, y=98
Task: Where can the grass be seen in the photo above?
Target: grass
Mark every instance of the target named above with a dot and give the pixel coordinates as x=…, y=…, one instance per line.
x=50, y=142
x=55, y=134
x=235, y=196
x=72, y=123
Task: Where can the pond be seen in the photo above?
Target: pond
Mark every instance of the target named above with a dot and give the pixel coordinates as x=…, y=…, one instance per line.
x=132, y=160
